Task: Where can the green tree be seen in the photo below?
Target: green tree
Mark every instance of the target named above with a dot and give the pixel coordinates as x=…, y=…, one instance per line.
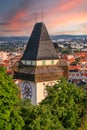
x=27, y=112
x=66, y=51
x=63, y=109
x=38, y=117
x=67, y=104
x=10, y=116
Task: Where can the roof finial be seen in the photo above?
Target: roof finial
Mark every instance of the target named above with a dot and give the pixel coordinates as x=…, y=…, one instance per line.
x=35, y=16
x=42, y=15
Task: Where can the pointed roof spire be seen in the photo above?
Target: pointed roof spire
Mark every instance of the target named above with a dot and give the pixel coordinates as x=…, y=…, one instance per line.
x=40, y=46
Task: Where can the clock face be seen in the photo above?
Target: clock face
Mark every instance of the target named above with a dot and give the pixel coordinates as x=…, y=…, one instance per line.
x=51, y=84
x=26, y=90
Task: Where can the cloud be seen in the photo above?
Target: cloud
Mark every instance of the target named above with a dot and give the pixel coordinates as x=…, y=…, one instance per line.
x=4, y=24
x=83, y=25
x=58, y=15
x=68, y=32
x=11, y=31
x=19, y=17
x=23, y=6
x=70, y=4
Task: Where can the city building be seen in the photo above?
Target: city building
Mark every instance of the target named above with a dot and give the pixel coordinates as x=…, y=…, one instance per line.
x=3, y=56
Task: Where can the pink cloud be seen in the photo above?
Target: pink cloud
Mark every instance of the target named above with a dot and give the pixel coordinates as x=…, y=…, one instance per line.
x=57, y=16
x=70, y=5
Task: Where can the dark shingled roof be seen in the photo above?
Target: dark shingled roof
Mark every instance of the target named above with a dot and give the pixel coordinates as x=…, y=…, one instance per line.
x=40, y=46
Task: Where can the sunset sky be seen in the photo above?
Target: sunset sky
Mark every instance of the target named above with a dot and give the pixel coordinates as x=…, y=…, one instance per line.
x=60, y=16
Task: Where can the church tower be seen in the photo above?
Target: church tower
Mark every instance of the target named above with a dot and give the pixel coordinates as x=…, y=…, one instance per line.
x=38, y=66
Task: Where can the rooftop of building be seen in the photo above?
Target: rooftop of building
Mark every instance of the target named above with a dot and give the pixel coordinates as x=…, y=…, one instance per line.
x=40, y=46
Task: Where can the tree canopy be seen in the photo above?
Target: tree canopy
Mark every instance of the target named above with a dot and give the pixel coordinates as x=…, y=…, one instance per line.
x=63, y=109
x=10, y=116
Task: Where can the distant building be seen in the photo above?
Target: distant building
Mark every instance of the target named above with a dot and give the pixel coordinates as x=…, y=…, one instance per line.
x=3, y=56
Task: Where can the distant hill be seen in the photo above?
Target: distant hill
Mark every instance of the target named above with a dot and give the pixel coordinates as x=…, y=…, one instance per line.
x=54, y=37
x=14, y=38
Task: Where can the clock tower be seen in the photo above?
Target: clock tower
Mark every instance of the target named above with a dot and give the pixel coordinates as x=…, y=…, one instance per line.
x=38, y=66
